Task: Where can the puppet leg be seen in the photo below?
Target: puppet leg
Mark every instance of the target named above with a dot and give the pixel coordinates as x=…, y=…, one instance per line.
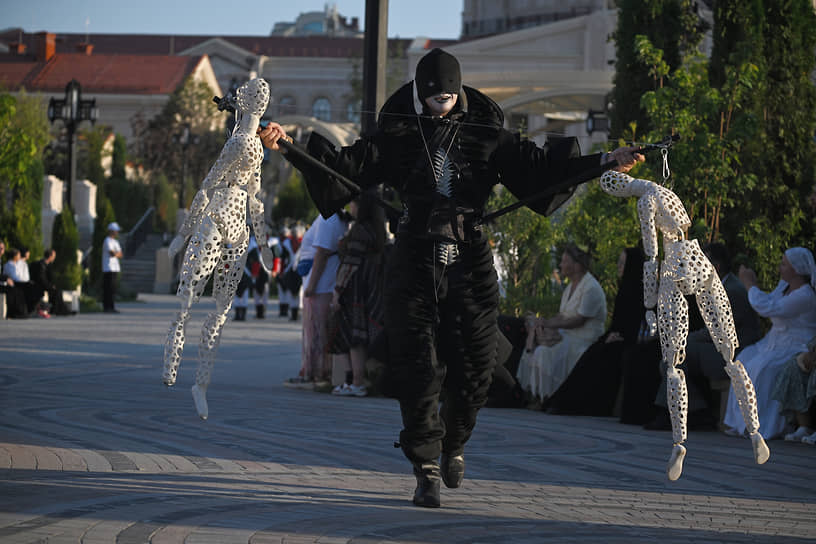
x=225, y=282
x=746, y=399
x=672, y=317
x=199, y=262
x=716, y=311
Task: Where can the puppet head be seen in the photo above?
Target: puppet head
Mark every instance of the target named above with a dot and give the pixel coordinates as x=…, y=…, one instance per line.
x=253, y=96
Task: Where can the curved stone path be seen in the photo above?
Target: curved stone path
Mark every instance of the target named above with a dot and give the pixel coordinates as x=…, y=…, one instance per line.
x=93, y=449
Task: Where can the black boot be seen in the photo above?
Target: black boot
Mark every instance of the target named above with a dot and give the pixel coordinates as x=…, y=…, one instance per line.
x=260, y=311
x=452, y=468
x=427, y=490
x=284, y=310
x=294, y=314
x=240, y=314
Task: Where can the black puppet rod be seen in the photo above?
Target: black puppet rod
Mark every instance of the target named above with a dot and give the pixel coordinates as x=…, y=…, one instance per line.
x=228, y=104
x=582, y=177
x=288, y=145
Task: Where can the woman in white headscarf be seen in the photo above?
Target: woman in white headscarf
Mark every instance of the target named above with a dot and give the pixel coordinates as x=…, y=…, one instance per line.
x=791, y=307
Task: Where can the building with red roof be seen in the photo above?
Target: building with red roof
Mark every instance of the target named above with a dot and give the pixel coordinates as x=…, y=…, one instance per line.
x=123, y=84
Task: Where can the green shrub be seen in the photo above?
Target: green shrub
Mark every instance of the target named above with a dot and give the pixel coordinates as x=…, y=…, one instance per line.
x=67, y=271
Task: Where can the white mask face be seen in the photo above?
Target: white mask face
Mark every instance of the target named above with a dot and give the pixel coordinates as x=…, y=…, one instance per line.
x=441, y=104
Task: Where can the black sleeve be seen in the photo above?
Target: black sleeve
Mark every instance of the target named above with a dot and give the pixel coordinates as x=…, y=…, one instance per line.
x=527, y=169
x=356, y=162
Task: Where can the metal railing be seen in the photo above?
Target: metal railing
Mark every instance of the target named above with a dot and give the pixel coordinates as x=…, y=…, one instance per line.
x=137, y=235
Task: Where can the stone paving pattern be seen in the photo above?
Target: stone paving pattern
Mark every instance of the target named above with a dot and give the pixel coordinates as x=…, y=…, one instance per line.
x=94, y=449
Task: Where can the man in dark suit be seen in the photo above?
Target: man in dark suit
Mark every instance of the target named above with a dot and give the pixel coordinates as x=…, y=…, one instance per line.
x=704, y=364
x=43, y=281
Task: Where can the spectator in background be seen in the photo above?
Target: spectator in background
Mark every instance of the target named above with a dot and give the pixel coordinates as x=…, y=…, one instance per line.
x=320, y=244
x=111, y=253
x=43, y=280
x=357, y=302
x=795, y=389
x=287, y=262
x=564, y=337
x=17, y=269
x=592, y=387
x=791, y=308
x=15, y=298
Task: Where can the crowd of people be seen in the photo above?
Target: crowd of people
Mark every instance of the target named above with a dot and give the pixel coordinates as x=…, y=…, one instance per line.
x=29, y=290
x=565, y=364
x=334, y=272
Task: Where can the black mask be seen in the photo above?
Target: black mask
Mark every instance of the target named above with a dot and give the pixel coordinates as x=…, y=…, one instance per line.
x=437, y=72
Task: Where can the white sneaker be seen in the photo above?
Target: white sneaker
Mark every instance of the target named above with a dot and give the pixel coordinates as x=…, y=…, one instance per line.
x=811, y=439
x=798, y=434
x=351, y=390
x=358, y=390
x=340, y=389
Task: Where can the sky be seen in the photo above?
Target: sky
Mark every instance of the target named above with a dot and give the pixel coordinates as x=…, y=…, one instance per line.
x=440, y=19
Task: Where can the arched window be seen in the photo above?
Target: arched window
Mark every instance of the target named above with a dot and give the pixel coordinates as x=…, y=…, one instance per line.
x=353, y=111
x=286, y=105
x=321, y=109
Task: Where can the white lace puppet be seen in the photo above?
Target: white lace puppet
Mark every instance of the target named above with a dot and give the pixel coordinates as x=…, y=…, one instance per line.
x=685, y=271
x=218, y=238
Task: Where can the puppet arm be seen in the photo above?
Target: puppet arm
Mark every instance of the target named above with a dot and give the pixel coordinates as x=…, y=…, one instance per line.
x=647, y=209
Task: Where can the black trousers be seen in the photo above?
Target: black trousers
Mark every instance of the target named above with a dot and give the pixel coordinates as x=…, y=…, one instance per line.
x=441, y=327
x=108, y=290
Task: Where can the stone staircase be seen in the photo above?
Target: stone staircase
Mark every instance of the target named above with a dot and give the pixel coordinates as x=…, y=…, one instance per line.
x=138, y=271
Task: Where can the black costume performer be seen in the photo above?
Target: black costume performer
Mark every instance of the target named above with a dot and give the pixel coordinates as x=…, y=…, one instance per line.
x=441, y=287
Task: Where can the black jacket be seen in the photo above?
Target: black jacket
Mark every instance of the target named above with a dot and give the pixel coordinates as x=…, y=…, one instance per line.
x=484, y=154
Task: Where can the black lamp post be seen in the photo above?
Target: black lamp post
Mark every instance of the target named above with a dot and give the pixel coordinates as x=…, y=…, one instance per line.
x=184, y=138
x=72, y=110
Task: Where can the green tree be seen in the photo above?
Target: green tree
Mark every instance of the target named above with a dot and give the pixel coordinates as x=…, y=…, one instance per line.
x=66, y=269
x=783, y=156
x=292, y=201
x=23, y=136
x=674, y=27
x=737, y=36
x=746, y=162
x=166, y=204
x=525, y=243
x=158, y=149
x=130, y=198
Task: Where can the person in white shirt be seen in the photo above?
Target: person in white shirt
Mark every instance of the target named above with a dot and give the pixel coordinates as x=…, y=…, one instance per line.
x=319, y=245
x=111, y=253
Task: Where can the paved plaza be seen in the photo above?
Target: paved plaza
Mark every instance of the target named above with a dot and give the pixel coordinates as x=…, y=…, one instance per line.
x=94, y=449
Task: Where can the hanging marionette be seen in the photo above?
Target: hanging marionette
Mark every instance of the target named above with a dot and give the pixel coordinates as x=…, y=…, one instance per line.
x=218, y=235
x=685, y=271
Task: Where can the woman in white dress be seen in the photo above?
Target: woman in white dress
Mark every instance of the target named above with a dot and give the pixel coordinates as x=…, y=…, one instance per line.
x=564, y=337
x=791, y=307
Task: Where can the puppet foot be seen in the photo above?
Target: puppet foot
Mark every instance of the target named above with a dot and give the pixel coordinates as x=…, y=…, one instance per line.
x=675, y=468
x=200, y=399
x=761, y=451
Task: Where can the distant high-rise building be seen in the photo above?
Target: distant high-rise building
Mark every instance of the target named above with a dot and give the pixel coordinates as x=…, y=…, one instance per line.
x=486, y=17
x=320, y=23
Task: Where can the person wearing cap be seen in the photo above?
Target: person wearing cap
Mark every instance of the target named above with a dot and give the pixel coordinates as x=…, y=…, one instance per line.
x=442, y=146
x=111, y=253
